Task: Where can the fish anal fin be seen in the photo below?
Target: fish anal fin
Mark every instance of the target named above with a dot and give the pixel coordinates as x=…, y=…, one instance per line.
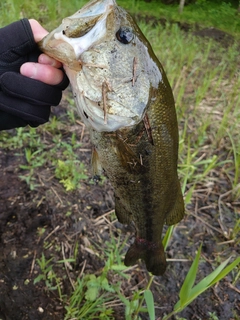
x=178, y=211
x=151, y=253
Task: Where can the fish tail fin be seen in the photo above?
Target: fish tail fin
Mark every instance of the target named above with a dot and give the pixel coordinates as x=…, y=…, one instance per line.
x=151, y=253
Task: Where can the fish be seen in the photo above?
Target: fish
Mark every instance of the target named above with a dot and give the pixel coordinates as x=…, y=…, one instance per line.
x=124, y=98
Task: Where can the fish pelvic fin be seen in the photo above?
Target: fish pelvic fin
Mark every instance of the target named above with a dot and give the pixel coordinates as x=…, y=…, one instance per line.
x=124, y=216
x=96, y=164
x=151, y=253
x=178, y=211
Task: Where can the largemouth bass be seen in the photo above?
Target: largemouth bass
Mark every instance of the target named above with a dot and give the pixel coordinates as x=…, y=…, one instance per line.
x=124, y=98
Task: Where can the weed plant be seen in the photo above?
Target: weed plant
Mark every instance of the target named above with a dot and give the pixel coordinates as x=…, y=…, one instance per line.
x=205, y=81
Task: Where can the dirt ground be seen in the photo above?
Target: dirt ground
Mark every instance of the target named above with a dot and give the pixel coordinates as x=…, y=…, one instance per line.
x=23, y=212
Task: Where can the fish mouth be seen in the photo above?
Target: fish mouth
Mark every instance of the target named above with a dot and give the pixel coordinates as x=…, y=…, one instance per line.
x=77, y=33
x=94, y=117
x=99, y=97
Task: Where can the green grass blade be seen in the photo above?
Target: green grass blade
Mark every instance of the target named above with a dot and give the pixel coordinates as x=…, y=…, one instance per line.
x=185, y=291
x=219, y=273
x=167, y=236
x=209, y=280
x=150, y=304
x=225, y=271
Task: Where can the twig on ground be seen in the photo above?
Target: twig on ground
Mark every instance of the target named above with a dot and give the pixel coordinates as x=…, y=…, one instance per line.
x=207, y=224
x=33, y=262
x=52, y=232
x=66, y=267
x=56, y=194
x=83, y=268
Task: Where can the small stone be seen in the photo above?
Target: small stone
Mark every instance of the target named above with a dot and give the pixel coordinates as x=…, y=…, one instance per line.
x=40, y=309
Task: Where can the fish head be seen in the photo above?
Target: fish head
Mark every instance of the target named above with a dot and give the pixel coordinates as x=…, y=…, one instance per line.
x=110, y=64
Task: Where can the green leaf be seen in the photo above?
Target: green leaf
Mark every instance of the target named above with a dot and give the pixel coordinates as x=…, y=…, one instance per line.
x=150, y=304
x=185, y=291
x=167, y=236
x=118, y=267
x=214, y=277
x=93, y=288
x=219, y=273
x=124, y=300
x=105, y=285
x=92, y=293
x=225, y=271
x=66, y=260
x=38, y=278
x=188, y=196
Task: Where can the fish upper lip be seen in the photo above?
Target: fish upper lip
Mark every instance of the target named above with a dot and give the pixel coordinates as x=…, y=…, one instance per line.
x=94, y=7
x=82, y=43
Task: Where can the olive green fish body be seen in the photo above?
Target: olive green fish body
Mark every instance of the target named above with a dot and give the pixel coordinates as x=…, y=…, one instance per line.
x=141, y=164
x=124, y=98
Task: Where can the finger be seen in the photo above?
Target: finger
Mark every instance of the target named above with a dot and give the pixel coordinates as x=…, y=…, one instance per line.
x=41, y=72
x=38, y=31
x=45, y=59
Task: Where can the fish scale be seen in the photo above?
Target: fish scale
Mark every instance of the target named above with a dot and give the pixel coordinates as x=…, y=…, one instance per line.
x=124, y=98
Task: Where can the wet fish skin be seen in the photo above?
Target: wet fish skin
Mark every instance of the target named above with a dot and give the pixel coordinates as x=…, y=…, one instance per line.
x=123, y=96
x=144, y=176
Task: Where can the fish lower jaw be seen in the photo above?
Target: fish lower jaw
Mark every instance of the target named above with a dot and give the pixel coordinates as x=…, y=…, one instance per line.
x=111, y=124
x=95, y=118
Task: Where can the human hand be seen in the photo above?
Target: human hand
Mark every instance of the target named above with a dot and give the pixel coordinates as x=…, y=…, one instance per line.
x=30, y=82
x=47, y=68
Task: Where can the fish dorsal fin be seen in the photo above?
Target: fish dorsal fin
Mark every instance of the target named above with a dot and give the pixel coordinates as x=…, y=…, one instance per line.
x=178, y=211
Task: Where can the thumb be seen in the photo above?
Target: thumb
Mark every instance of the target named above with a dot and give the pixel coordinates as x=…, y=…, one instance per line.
x=38, y=31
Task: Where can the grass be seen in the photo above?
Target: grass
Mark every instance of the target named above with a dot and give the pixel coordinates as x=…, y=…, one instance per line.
x=205, y=81
x=222, y=15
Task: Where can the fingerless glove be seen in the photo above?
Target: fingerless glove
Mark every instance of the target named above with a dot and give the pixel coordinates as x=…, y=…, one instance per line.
x=23, y=100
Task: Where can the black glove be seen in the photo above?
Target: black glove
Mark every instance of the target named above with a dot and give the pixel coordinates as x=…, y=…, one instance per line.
x=23, y=100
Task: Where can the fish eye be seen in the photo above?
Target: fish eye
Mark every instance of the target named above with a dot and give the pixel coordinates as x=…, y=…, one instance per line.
x=125, y=35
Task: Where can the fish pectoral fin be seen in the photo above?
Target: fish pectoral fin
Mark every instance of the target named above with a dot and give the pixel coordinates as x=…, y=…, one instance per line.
x=151, y=253
x=178, y=211
x=128, y=158
x=96, y=165
x=123, y=215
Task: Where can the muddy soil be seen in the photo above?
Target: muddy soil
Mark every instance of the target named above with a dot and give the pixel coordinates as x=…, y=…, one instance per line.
x=24, y=213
